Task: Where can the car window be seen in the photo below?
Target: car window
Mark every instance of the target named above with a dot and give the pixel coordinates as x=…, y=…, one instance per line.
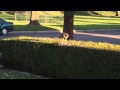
x=2, y=21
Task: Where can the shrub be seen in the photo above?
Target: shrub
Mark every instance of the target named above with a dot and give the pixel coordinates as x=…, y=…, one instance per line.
x=58, y=58
x=0, y=55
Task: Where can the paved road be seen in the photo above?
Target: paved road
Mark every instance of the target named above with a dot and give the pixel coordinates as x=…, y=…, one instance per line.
x=97, y=36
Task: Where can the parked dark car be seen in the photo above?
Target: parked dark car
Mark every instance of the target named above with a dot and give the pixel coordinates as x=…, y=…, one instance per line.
x=5, y=27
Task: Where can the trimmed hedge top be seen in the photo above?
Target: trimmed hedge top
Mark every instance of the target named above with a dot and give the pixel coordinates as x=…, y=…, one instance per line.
x=61, y=42
x=58, y=58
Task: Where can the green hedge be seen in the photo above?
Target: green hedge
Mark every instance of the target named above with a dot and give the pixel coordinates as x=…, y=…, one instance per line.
x=58, y=58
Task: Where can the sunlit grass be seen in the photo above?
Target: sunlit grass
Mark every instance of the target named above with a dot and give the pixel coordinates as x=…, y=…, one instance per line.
x=87, y=20
x=54, y=20
x=20, y=22
x=53, y=13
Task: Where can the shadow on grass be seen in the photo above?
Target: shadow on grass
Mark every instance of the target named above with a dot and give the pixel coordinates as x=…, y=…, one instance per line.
x=82, y=13
x=8, y=18
x=93, y=13
x=86, y=13
x=32, y=28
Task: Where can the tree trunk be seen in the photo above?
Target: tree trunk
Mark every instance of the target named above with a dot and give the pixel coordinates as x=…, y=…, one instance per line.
x=68, y=23
x=13, y=12
x=117, y=13
x=34, y=18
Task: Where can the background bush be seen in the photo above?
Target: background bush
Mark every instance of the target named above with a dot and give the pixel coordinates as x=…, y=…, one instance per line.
x=58, y=58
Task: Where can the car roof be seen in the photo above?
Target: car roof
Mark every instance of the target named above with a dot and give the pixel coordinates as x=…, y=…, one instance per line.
x=2, y=19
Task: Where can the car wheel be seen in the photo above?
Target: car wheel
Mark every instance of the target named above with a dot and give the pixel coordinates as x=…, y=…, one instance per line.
x=4, y=31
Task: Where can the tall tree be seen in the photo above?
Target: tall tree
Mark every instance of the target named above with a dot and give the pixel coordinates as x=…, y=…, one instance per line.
x=68, y=23
x=34, y=18
x=117, y=13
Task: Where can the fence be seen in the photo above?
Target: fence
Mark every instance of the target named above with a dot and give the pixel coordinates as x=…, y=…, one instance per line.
x=44, y=17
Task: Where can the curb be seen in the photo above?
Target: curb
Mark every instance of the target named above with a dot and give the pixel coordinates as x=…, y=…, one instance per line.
x=35, y=31
x=51, y=31
x=97, y=30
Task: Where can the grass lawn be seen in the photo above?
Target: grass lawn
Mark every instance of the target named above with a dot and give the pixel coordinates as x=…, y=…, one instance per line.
x=8, y=74
x=52, y=22
x=96, y=22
